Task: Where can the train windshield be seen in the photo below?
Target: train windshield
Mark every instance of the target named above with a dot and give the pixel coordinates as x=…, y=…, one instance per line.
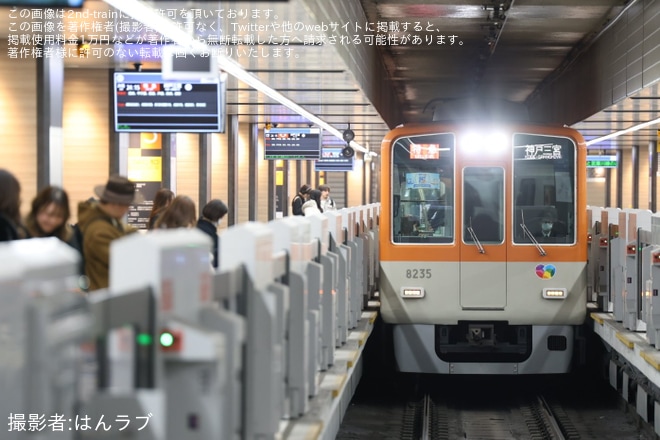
x=483, y=204
x=423, y=189
x=544, y=189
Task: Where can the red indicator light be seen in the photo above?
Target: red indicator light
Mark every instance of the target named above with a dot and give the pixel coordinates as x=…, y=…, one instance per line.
x=170, y=340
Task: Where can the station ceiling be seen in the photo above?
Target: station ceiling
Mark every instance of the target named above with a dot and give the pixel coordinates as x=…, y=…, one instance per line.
x=426, y=50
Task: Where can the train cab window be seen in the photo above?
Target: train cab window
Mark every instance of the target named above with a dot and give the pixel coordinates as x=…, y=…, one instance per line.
x=483, y=205
x=543, y=189
x=423, y=189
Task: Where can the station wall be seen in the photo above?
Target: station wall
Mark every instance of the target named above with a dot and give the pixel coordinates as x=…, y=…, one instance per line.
x=18, y=142
x=85, y=140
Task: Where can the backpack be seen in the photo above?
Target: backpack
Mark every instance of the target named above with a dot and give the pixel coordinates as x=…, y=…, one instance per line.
x=77, y=244
x=294, y=202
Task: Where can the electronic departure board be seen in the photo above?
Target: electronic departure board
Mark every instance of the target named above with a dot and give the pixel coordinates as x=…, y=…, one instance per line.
x=292, y=143
x=145, y=102
x=332, y=159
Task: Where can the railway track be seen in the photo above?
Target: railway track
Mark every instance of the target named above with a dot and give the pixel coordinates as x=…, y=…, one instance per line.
x=533, y=418
x=486, y=409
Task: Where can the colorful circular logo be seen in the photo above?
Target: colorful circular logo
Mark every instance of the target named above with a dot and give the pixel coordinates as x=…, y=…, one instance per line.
x=545, y=271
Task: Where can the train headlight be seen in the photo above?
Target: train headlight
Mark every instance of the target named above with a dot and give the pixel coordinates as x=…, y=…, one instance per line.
x=471, y=142
x=555, y=293
x=413, y=292
x=489, y=142
x=497, y=143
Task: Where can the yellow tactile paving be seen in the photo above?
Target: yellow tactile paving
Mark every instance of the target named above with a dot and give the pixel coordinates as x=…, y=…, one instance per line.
x=334, y=383
x=623, y=338
x=306, y=431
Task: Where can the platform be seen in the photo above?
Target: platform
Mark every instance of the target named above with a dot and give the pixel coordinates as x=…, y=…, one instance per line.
x=338, y=384
x=635, y=371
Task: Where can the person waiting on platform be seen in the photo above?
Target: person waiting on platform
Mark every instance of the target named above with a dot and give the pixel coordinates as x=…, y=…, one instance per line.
x=313, y=204
x=300, y=199
x=49, y=215
x=327, y=204
x=180, y=214
x=550, y=227
x=101, y=222
x=10, y=207
x=162, y=200
x=208, y=223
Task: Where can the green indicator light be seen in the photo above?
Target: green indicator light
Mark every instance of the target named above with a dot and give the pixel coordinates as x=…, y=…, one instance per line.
x=166, y=339
x=144, y=339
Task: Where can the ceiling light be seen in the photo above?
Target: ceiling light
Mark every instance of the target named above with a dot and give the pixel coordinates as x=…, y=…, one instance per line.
x=166, y=27
x=622, y=132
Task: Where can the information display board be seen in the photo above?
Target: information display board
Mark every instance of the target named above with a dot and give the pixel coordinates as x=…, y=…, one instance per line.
x=332, y=159
x=602, y=161
x=292, y=143
x=145, y=102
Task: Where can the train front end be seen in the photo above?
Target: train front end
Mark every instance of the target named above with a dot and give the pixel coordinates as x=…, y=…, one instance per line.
x=483, y=247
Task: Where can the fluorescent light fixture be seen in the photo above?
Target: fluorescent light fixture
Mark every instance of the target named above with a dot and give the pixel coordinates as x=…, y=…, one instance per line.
x=146, y=14
x=622, y=132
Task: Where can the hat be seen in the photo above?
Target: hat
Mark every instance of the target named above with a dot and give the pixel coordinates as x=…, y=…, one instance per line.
x=305, y=189
x=549, y=214
x=118, y=190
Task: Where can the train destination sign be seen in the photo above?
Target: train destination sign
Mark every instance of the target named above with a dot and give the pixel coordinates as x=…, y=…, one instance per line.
x=542, y=151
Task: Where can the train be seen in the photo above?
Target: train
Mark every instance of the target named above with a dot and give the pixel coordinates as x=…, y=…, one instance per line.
x=483, y=247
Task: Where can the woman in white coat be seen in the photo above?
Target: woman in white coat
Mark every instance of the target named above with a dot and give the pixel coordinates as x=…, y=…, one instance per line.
x=313, y=204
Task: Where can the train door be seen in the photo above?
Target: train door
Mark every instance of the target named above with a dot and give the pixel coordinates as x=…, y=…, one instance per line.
x=483, y=247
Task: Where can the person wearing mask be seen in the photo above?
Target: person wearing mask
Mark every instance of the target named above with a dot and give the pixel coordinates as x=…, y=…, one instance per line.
x=101, y=222
x=327, y=204
x=10, y=207
x=550, y=227
x=208, y=223
x=49, y=215
x=300, y=199
x=181, y=213
x=313, y=205
x=162, y=200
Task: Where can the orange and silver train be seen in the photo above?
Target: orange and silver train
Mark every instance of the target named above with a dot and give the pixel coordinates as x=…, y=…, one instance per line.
x=483, y=247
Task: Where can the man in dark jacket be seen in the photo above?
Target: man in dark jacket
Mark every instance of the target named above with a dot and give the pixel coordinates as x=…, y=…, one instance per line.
x=300, y=199
x=101, y=223
x=212, y=213
x=550, y=228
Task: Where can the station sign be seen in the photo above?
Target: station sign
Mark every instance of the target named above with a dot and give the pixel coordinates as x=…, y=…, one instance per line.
x=601, y=161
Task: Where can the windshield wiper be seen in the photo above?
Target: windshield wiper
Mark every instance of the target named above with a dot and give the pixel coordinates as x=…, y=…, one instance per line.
x=529, y=235
x=477, y=243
